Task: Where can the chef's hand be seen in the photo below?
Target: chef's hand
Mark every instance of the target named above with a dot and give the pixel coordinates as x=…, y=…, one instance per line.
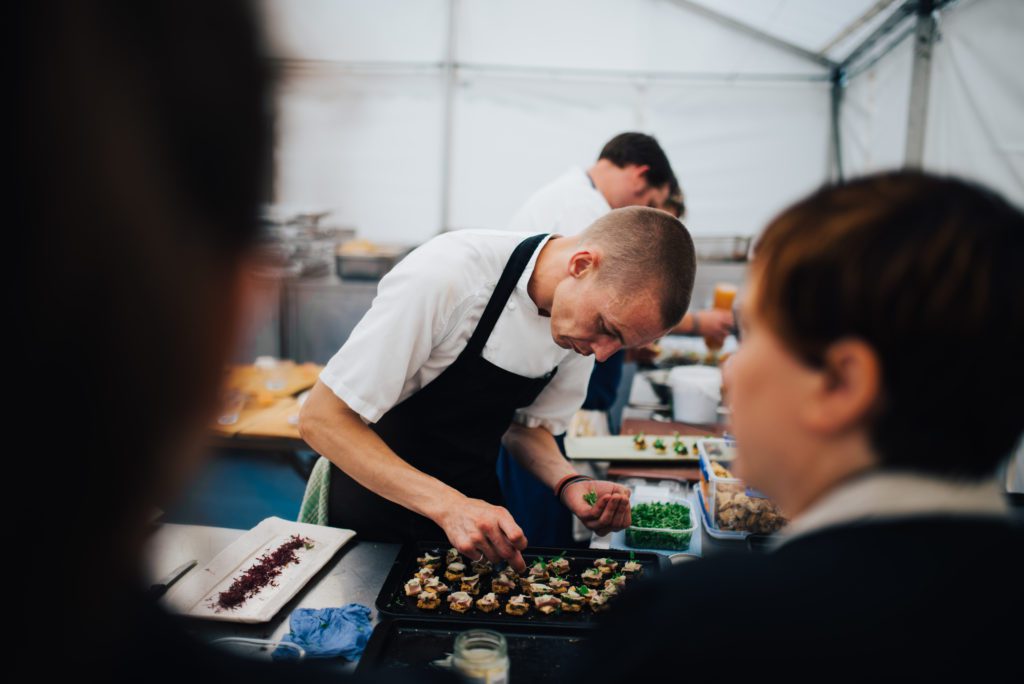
x=475, y=527
x=715, y=324
x=611, y=511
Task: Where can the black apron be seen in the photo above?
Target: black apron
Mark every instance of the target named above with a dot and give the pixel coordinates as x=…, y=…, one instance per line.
x=450, y=429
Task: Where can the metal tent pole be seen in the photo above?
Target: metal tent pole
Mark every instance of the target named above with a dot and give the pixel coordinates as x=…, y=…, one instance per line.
x=836, y=149
x=447, y=132
x=917, y=116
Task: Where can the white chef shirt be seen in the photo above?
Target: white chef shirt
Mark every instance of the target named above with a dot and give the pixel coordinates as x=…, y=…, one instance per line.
x=567, y=205
x=425, y=311
x=887, y=495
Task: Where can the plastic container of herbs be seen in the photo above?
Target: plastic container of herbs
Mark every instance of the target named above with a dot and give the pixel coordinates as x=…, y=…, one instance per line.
x=661, y=525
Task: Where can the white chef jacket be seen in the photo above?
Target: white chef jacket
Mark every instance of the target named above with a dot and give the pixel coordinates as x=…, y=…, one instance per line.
x=567, y=205
x=425, y=311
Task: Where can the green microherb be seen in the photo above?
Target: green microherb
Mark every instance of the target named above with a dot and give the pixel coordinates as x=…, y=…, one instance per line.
x=590, y=497
x=671, y=516
x=583, y=590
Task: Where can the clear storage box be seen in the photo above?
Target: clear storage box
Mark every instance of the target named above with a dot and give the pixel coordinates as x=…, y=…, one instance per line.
x=667, y=538
x=730, y=504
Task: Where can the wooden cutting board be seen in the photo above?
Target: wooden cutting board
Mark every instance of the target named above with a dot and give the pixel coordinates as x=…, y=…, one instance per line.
x=274, y=421
x=253, y=380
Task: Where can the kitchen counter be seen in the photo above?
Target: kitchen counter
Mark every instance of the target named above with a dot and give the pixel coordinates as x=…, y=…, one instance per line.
x=355, y=574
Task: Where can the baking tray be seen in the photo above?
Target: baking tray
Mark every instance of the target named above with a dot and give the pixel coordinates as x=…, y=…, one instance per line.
x=392, y=601
x=537, y=653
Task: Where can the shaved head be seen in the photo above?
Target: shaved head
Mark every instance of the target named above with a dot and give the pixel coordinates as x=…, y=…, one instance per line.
x=645, y=249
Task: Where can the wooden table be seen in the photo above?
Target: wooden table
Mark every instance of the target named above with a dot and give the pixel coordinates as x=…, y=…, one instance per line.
x=267, y=421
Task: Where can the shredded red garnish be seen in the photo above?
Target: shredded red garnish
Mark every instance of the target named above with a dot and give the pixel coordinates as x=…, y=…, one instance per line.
x=266, y=569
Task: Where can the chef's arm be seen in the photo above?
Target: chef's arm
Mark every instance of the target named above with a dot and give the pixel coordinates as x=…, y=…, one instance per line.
x=331, y=428
x=536, y=450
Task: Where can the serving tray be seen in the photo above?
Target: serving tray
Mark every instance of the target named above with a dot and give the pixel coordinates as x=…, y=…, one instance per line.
x=392, y=601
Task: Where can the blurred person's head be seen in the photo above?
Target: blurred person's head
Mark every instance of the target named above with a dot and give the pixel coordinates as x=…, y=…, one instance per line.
x=883, y=327
x=145, y=131
x=632, y=170
x=625, y=281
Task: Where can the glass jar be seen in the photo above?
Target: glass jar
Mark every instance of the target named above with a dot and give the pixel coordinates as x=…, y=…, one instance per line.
x=481, y=655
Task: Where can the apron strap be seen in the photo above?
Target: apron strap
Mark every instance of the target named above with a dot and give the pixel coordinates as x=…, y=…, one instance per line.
x=502, y=291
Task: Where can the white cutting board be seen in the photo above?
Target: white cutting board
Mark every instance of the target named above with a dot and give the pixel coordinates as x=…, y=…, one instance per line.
x=621, y=448
x=193, y=594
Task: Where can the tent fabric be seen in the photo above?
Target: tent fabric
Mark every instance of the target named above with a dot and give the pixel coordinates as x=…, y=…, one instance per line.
x=540, y=85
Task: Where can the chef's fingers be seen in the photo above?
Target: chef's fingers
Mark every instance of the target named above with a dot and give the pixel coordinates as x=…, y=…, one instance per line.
x=513, y=532
x=597, y=510
x=605, y=521
x=484, y=546
x=499, y=542
x=507, y=551
x=620, y=510
x=515, y=536
x=622, y=518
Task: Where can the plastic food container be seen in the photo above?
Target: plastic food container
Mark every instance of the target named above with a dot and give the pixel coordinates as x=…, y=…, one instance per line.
x=671, y=539
x=696, y=393
x=731, y=505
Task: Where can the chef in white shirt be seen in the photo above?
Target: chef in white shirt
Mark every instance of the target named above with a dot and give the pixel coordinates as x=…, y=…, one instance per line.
x=482, y=338
x=631, y=170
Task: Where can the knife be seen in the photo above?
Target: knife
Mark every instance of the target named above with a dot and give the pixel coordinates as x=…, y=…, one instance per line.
x=160, y=588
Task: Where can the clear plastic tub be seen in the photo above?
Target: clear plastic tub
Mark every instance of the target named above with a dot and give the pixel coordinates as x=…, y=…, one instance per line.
x=731, y=505
x=671, y=539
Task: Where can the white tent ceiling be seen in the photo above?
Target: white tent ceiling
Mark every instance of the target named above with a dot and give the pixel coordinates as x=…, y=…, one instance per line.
x=831, y=28
x=410, y=116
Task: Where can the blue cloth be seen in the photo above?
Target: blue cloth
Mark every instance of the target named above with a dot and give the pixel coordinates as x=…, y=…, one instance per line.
x=328, y=632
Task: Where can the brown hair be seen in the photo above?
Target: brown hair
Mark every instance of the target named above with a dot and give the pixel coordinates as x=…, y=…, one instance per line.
x=646, y=247
x=929, y=271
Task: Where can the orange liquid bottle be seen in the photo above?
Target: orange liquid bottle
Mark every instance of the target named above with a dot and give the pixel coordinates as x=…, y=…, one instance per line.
x=723, y=298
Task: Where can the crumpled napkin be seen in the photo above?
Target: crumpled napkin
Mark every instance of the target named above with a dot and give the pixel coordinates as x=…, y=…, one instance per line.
x=328, y=632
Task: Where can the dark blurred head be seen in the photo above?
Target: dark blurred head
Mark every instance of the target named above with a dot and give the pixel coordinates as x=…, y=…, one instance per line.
x=642, y=175
x=144, y=131
x=888, y=307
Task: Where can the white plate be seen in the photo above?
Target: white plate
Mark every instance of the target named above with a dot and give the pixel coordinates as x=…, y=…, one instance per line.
x=621, y=448
x=194, y=593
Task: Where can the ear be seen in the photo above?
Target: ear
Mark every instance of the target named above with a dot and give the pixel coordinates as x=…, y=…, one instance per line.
x=847, y=389
x=583, y=262
x=640, y=176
